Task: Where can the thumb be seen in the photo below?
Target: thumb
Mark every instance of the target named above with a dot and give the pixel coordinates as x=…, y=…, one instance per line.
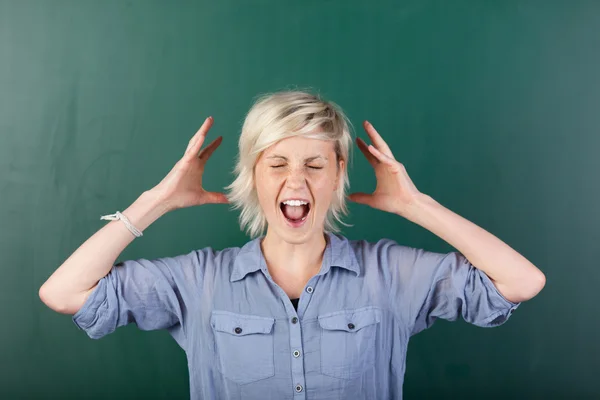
x=216, y=198
x=362, y=198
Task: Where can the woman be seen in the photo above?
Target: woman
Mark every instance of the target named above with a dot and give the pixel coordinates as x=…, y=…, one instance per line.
x=301, y=312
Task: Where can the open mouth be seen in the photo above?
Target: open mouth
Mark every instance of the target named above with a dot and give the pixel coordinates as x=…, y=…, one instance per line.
x=295, y=211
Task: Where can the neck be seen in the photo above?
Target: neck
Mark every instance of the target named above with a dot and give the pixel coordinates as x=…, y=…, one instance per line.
x=293, y=259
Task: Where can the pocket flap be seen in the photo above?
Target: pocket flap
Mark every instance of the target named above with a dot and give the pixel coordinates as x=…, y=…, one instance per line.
x=350, y=320
x=240, y=324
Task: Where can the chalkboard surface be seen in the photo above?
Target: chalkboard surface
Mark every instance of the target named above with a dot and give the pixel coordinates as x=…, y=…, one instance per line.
x=491, y=105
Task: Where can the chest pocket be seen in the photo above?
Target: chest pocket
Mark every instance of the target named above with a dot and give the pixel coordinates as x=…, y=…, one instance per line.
x=244, y=346
x=348, y=341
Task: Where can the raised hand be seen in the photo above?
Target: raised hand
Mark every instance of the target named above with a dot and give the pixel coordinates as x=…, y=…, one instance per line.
x=182, y=187
x=395, y=191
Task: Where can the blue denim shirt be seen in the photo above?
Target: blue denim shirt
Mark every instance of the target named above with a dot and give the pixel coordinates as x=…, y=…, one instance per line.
x=244, y=339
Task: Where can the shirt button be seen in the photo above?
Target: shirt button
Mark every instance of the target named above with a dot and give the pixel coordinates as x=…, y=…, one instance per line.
x=296, y=353
x=298, y=388
x=351, y=325
x=238, y=330
x=294, y=320
x=309, y=289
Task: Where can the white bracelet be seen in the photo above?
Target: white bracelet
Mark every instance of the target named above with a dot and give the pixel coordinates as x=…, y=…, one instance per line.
x=123, y=218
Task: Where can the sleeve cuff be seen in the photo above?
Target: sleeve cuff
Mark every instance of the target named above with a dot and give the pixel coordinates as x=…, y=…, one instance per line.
x=87, y=315
x=508, y=307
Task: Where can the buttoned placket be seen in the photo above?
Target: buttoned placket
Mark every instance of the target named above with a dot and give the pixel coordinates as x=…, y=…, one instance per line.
x=294, y=320
x=296, y=336
x=297, y=353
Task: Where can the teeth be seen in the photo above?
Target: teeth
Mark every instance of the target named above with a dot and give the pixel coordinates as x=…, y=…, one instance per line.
x=295, y=203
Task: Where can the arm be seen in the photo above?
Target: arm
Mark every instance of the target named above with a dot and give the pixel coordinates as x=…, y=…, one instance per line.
x=70, y=285
x=67, y=289
x=512, y=274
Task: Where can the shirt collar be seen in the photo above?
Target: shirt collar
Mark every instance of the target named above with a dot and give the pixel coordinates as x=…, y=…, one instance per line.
x=338, y=253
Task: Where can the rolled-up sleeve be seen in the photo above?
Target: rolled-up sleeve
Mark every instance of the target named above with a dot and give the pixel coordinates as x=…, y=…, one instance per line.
x=427, y=285
x=149, y=293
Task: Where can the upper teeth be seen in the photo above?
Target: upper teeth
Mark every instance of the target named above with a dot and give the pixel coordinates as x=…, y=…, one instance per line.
x=295, y=203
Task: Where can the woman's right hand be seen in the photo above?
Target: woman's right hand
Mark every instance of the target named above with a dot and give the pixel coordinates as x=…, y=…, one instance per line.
x=182, y=187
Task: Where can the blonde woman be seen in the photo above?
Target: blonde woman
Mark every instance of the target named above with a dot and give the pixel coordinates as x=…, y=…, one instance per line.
x=299, y=311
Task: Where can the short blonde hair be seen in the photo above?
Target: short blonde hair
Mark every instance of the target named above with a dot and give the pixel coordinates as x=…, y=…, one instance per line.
x=276, y=116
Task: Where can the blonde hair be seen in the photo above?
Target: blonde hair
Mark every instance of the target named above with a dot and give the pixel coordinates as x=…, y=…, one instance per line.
x=276, y=116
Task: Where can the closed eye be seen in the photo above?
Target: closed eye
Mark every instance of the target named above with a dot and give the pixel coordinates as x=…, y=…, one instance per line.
x=310, y=166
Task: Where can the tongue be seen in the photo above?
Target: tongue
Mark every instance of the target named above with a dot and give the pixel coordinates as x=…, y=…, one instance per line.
x=293, y=212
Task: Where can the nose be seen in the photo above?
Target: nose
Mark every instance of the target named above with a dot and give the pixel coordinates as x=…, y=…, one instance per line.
x=295, y=179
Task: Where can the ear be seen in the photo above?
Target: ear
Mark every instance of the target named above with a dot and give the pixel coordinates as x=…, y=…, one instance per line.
x=339, y=174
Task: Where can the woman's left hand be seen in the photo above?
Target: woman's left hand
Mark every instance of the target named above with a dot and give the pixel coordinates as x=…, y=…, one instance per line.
x=395, y=192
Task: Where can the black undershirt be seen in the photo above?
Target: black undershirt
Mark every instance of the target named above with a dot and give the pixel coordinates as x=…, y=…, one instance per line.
x=295, y=303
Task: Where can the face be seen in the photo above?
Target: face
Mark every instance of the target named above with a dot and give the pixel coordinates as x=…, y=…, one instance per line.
x=296, y=179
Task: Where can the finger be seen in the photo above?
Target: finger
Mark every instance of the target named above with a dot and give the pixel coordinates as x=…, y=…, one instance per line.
x=384, y=158
x=208, y=150
x=216, y=198
x=377, y=139
x=197, y=140
x=362, y=198
x=364, y=148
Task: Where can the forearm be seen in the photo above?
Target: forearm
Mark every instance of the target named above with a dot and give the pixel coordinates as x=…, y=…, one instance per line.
x=514, y=276
x=64, y=289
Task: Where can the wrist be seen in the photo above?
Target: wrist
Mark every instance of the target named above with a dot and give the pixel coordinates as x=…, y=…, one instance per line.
x=417, y=209
x=146, y=209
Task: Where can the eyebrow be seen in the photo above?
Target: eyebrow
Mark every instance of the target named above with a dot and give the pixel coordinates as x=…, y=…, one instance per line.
x=309, y=159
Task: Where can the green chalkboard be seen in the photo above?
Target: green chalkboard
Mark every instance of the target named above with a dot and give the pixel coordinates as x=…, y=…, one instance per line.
x=492, y=106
